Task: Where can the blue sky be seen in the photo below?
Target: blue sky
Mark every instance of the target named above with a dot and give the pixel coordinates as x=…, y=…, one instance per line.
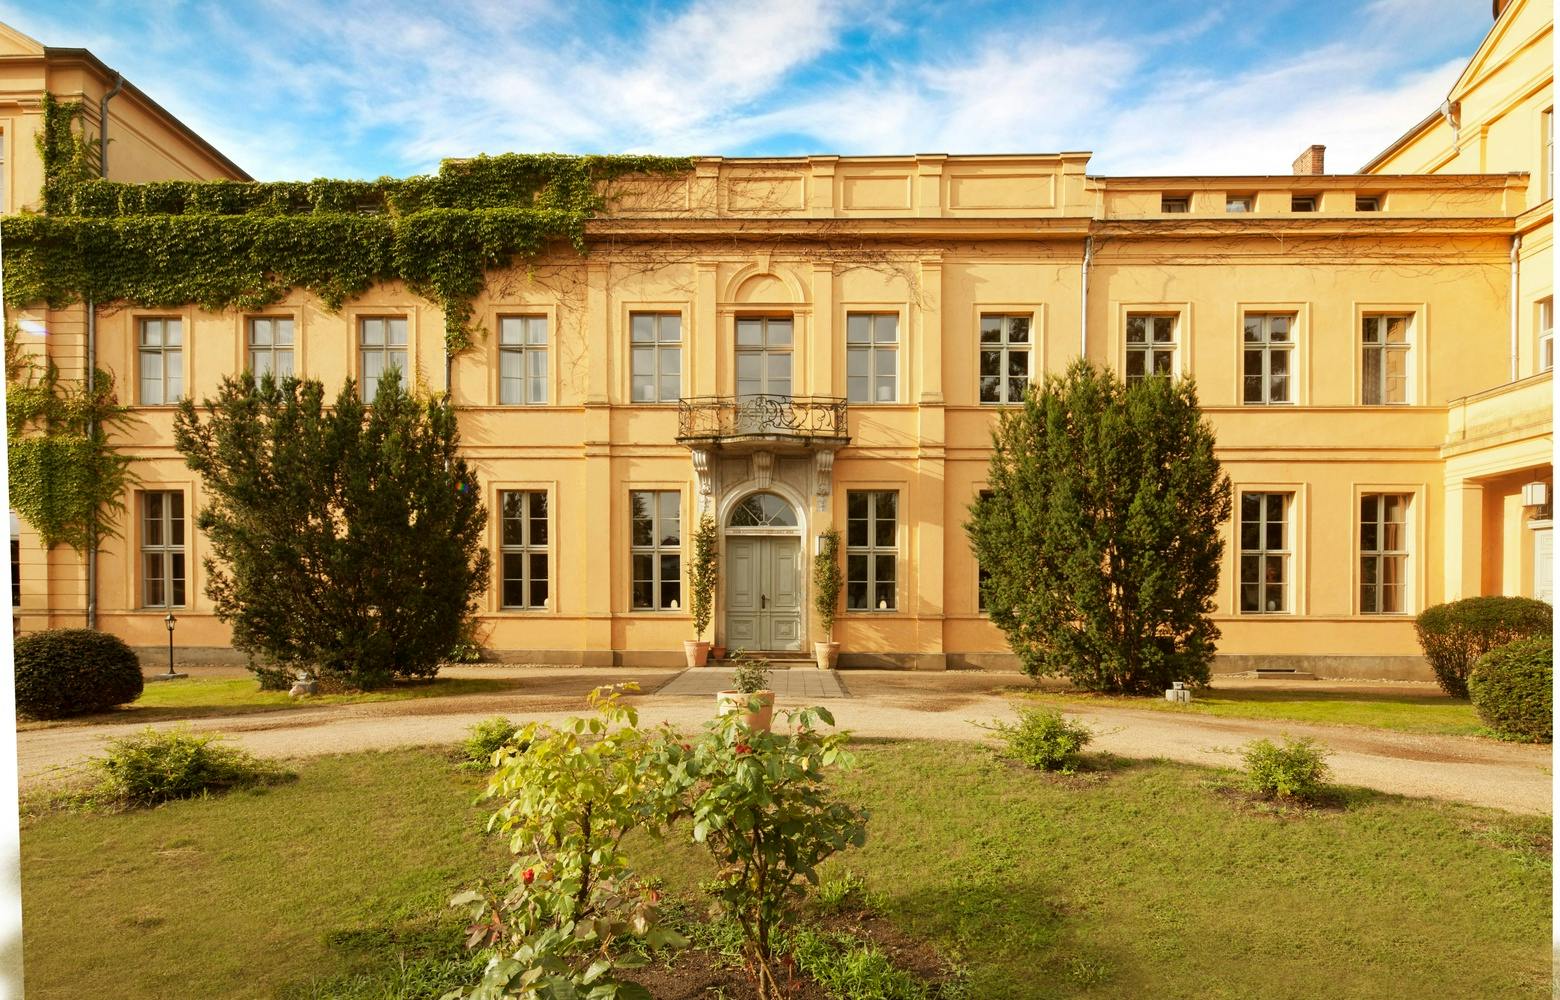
x=363, y=88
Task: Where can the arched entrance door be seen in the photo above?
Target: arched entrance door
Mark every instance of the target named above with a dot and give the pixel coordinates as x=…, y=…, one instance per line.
x=763, y=574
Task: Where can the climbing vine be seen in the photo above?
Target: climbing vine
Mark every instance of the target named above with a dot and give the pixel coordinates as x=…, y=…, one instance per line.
x=244, y=245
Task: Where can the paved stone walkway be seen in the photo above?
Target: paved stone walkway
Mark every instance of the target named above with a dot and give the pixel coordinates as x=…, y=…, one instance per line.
x=789, y=684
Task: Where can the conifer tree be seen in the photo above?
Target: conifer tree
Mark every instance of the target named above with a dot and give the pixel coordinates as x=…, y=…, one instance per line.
x=1100, y=537
x=347, y=540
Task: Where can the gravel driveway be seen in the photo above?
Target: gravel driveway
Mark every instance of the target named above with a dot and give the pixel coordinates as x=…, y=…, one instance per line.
x=893, y=704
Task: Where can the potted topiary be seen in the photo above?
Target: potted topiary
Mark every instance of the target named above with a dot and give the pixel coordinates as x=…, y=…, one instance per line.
x=826, y=596
x=703, y=576
x=751, y=695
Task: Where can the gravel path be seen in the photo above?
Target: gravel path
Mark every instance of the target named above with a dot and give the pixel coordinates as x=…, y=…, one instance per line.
x=889, y=704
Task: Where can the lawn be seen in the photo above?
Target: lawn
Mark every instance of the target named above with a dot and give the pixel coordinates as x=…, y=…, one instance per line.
x=195, y=697
x=1404, y=711
x=1152, y=879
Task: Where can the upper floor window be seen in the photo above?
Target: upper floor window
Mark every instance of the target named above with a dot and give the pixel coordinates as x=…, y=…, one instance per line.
x=381, y=347
x=1175, y=204
x=1546, y=333
x=1151, y=345
x=162, y=549
x=1384, y=361
x=1005, y=346
x=871, y=549
x=523, y=548
x=1303, y=203
x=161, y=361
x=1239, y=203
x=656, y=362
x=1267, y=346
x=872, y=357
x=1264, y=553
x=1548, y=175
x=1383, y=553
x=764, y=355
x=522, y=360
x=271, y=346
x=1367, y=203
x=655, y=549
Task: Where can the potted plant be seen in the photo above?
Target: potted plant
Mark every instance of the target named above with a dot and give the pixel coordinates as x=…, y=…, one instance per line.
x=703, y=576
x=826, y=595
x=750, y=695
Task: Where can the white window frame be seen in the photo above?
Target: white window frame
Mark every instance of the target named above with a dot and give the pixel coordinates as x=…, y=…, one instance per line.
x=1267, y=348
x=276, y=327
x=1263, y=554
x=658, y=549
x=771, y=349
x=168, y=350
x=1240, y=204
x=863, y=340
x=1149, y=348
x=523, y=336
x=1380, y=554
x=871, y=550
x=657, y=347
x=388, y=351
x=1546, y=333
x=525, y=546
x=1546, y=125
x=173, y=563
x=1005, y=348
x=1369, y=202
x=1385, y=348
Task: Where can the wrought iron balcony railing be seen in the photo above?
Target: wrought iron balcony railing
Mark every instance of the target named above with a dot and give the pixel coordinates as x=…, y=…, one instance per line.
x=808, y=418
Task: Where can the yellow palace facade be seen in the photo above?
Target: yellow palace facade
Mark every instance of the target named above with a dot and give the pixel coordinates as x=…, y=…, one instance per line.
x=793, y=344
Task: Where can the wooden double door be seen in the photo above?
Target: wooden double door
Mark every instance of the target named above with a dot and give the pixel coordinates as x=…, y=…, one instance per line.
x=763, y=592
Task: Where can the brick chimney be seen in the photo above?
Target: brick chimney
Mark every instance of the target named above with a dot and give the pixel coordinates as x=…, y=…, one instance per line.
x=1310, y=161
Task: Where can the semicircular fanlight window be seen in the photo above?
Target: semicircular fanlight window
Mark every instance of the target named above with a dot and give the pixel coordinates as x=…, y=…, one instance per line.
x=763, y=510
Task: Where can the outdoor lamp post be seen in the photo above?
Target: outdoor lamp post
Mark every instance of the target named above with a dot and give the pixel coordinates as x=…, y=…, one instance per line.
x=170, y=621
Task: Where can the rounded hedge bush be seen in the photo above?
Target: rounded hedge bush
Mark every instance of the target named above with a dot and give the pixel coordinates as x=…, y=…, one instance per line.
x=1455, y=635
x=1512, y=689
x=73, y=671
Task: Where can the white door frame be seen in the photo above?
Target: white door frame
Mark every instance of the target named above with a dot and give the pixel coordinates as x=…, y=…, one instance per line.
x=727, y=505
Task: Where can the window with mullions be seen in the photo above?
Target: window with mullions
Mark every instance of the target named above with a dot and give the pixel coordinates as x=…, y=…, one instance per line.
x=1383, y=553
x=271, y=346
x=522, y=360
x=656, y=361
x=162, y=549
x=1267, y=345
x=1004, y=358
x=871, y=549
x=872, y=357
x=1546, y=333
x=523, y=548
x=161, y=361
x=1384, y=359
x=1151, y=344
x=382, y=346
x=764, y=355
x=655, y=537
x=1264, y=553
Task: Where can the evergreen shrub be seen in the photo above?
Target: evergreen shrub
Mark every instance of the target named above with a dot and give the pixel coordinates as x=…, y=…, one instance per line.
x=1512, y=688
x=1454, y=636
x=74, y=671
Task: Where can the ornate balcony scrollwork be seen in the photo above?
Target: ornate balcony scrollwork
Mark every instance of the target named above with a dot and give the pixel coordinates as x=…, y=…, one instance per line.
x=819, y=420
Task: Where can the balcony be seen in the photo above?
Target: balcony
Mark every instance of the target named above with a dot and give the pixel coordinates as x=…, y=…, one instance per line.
x=778, y=423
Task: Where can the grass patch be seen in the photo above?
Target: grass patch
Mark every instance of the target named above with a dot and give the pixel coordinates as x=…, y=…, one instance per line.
x=1149, y=884
x=198, y=697
x=1405, y=712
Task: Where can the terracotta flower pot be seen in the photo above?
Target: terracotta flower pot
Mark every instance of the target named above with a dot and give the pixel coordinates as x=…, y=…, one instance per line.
x=698, y=653
x=717, y=651
x=727, y=702
x=827, y=654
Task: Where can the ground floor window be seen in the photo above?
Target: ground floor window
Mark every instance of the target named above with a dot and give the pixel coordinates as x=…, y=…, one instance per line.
x=1264, y=553
x=871, y=549
x=656, y=549
x=523, y=544
x=162, y=549
x=1383, y=553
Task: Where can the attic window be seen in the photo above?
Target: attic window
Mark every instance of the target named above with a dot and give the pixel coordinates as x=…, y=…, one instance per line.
x=1368, y=202
x=1175, y=203
x=1239, y=202
x=1303, y=203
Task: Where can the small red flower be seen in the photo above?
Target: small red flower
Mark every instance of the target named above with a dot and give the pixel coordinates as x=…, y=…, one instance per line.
x=528, y=876
x=687, y=747
x=743, y=748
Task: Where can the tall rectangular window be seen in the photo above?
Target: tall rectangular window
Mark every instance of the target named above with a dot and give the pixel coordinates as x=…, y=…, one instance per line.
x=982, y=574
x=656, y=346
x=655, y=539
x=16, y=562
x=523, y=548
x=1004, y=358
x=381, y=347
x=1385, y=359
x=1546, y=333
x=161, y=361
x=162, y=549
x=764, y=355
x=1383, y=553
x=1267, y=346
x=1151, y=344
x=1264, y=553
x=872, y=357
x=271, y=346
x=871, y=549
x=1548, y=176
x=522, y=360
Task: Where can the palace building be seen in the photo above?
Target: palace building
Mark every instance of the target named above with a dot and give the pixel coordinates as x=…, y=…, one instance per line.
x=797, y=343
